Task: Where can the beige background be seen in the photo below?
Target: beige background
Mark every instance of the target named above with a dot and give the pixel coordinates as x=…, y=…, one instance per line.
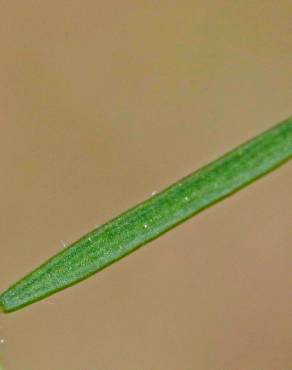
x=103, y=102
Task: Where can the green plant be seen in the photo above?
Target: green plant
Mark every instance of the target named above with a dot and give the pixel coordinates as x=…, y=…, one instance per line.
x=155, y=216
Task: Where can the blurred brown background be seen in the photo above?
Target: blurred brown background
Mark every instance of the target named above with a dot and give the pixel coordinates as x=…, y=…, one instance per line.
x=104, y=102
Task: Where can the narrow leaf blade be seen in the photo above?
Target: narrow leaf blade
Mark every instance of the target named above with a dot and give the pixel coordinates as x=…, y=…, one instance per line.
x=148, y=220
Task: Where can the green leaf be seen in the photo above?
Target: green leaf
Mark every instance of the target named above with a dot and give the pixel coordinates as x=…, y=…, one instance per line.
x=153, y=217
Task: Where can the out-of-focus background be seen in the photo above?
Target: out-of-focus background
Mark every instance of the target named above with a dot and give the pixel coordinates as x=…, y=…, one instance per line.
x=104, y=102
